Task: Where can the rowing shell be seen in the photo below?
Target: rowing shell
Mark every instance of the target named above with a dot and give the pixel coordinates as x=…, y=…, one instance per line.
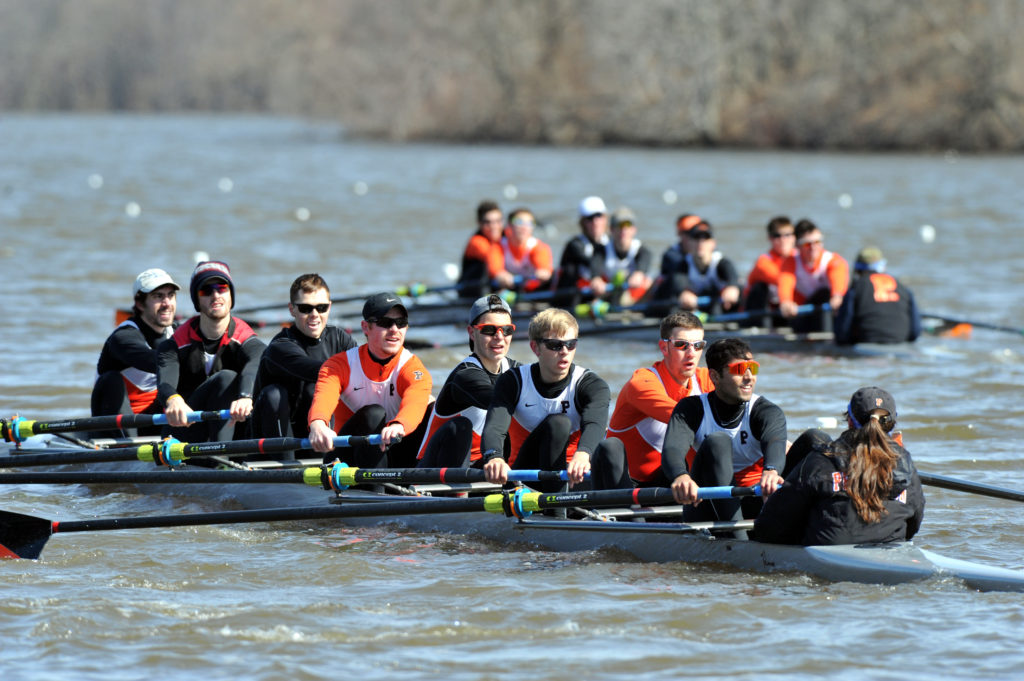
x=655, y=542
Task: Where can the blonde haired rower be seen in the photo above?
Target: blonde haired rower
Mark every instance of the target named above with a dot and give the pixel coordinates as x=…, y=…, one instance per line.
x=553, y=412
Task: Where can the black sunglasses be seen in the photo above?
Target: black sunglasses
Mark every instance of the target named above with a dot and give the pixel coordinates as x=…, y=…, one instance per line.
x=556, y=345
x=388, y=322
x=684, y=344
x=493, y=329
x=306, y=308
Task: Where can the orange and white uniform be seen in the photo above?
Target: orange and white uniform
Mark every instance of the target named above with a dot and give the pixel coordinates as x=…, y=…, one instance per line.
x=799, y=280
x=533, y=408
x=351, y=380
x=642, y=411
x=525, y=262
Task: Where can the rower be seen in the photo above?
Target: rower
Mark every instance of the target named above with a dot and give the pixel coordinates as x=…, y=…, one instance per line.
x=581, y=268
x=631, y=455
x=126, y=370
x=377, y=387
x=861, y=488
x=290, y=366
x=815, y=276
x=457, y=421
x=730, y=436
x=762, y=291
x=702, y=273
x=877, y=308
x=483, y=261
x=626, y=261
x=527, y=258
x=553, y=412
x=210, y=362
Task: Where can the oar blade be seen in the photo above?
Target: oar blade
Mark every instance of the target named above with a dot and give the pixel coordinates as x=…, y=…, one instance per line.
x=23, y=536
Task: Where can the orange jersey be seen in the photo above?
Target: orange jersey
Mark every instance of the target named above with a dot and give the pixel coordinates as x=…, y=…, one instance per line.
x=767, y=269
x=797, y=281
x=532, y=257
x=483, y=249
x=642, y=411
x=402, y=385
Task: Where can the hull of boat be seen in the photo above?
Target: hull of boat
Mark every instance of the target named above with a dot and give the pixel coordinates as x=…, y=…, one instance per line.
x=891, y=563
x=648, y=541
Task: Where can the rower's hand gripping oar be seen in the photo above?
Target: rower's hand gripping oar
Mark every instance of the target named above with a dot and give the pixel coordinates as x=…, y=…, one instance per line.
x=23, y=536
x=19, y=429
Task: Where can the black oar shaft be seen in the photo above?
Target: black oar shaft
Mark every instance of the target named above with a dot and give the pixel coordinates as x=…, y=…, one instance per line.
x=397, y=508
x=967, y=486
x=152, y=477
x=78, y=456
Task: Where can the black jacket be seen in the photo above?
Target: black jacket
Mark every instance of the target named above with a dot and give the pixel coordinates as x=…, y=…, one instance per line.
x=811, y=508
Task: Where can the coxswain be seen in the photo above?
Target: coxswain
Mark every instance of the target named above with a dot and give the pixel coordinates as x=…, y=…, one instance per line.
x=877, y=308
x=862, y=488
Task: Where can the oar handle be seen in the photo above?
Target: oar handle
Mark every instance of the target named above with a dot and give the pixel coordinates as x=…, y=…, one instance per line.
x=19, y=429
x=339, y=476
x=170, y=452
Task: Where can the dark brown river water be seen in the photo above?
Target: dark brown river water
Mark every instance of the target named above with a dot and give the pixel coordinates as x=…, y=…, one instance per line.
x=86, y=202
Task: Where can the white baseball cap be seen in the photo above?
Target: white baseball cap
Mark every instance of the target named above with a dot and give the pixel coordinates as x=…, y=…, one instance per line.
x=150, y=280
x=592, y=205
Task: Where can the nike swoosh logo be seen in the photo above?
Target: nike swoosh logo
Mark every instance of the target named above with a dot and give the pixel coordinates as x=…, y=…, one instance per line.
x=355, y=389
x=528, y=405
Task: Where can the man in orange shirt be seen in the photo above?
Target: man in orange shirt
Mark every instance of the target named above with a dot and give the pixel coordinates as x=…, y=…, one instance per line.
x=762, y=292
x=815, y=276
x=631, y=456
x=378, y=387
x=525, y=257
x=483, y=262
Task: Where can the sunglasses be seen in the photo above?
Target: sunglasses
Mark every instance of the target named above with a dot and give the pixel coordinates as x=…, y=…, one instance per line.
x=523, y=222
x=306, y=308
x=685, y=344
x=389, y=322
x=780, y=235
x=556, y=345
x=493, y=329
x=210, y=289
x=741, y=367
x=809, y=242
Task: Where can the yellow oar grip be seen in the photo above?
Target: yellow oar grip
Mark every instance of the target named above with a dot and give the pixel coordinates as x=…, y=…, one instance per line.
x=311, y=476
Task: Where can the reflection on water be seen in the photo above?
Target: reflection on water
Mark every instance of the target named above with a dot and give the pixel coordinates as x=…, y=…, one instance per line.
x=86, y=202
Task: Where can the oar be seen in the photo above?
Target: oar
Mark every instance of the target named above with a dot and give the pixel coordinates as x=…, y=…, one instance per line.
x=19, y=429
x=409, y=290
x=802, y=310
x=337, y=476
x=23, y=536
x=967, y=486
x=171, y=452
x=952, y=321
x=600, y=308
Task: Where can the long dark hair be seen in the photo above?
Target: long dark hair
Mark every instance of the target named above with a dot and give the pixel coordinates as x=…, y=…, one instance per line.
x=870, y=466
